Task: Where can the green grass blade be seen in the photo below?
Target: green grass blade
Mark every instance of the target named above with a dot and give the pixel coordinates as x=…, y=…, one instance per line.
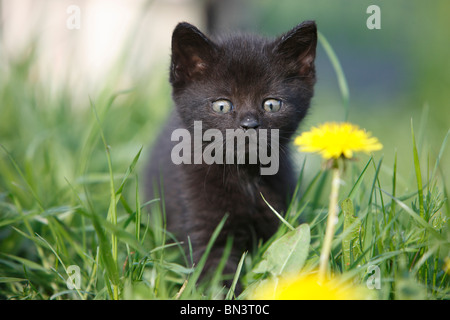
x=358, y=182
x=112, y=212
x=105, y=253
x=342, y=81
x=130, y=169
x=22, y=175
x=441, y=152
x=394, y=186
x=375, y=178
x=11, y=279
x=26, y=262
x=137, y=229
x=59, y=259
x=277, y=214
x=418, y=172
x=199, y=268
x=421, y=221
x=230, y=293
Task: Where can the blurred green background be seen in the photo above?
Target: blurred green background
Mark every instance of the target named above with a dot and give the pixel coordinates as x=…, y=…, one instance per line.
x=51, y=74
x=395, y=74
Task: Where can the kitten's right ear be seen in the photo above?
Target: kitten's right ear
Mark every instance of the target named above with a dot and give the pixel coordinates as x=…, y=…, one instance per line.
x=192, y=51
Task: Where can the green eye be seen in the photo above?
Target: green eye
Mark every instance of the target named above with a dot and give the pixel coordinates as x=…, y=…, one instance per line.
x=272, y=105
x=222, y=106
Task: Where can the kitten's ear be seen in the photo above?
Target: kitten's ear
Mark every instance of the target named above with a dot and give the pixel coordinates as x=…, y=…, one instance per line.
x=192, y=51
x=298, y=48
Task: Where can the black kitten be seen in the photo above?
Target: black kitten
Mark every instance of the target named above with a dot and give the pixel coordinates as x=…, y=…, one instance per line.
x=241, y=83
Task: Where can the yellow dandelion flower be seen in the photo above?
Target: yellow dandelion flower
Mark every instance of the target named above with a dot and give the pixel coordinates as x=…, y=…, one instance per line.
x=308, y=287
x=333, y=140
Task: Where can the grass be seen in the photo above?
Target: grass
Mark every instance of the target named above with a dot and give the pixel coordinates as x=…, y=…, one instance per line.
x=70, y=195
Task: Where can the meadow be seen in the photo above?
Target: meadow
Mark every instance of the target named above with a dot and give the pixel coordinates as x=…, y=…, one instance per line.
x=75, y=224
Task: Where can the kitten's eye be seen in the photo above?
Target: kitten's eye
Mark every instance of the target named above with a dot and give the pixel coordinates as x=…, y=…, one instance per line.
x=272, y=105
x=222, y=106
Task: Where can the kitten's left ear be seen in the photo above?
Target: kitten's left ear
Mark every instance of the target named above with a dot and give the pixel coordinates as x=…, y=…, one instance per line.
x=298, y=48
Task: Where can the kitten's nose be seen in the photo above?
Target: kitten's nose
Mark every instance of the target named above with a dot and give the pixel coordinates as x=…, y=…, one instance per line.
x=249, y=123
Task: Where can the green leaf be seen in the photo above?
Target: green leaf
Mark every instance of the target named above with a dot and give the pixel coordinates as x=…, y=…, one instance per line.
x=287, y=254
x=352, y=226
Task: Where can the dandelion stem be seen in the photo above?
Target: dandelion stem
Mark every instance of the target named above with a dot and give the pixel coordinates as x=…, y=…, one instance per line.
x=331, y=222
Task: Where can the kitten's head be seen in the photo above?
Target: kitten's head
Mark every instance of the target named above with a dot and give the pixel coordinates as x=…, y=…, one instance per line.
x=243, y=81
